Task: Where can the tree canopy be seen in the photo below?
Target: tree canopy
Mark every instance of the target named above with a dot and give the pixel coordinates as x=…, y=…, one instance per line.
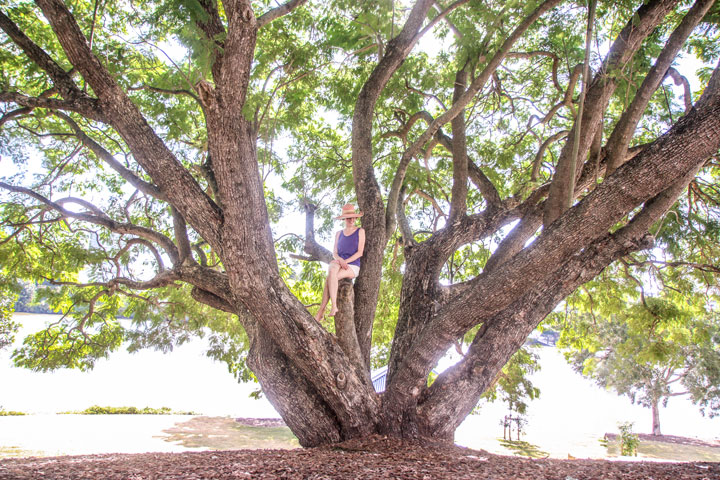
x=651, y=352
x=504, y=154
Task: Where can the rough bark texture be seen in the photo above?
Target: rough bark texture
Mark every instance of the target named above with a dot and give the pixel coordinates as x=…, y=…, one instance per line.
x=345, y=326
x=647, y=17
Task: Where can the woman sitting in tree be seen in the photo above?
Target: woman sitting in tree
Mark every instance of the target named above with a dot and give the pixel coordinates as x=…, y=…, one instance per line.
x=349, y=245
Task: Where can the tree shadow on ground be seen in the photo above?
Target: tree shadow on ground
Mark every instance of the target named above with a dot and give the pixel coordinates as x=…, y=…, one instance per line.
x=523, y=449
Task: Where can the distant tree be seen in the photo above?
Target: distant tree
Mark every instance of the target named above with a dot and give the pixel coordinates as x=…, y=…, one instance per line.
x=513, y=385
x=650, y=352
x=31, y=298
x=8, y=328
x=25, y=296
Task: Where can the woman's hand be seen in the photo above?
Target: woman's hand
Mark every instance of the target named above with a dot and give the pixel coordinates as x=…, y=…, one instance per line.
x=343, y=263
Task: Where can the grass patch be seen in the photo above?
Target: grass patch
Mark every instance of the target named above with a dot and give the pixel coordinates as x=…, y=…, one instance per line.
x=17, y=452
x=669, y=451
x=523, y=449
x=98, y=410
x=223, y=433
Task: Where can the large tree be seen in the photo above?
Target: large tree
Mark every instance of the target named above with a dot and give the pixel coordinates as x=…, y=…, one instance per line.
x=504, y=162
x=650, y=352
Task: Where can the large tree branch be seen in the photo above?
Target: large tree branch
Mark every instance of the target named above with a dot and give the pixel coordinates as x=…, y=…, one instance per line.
x=18, y=112
x=60, y=78
x=458, y=201
x=510, y=328
x=181, y=237
x=162, y=279
x=366, y=186
x=237, y=55
x=484, y=184
x=278, y=12
x=108, y=158
x=519, y=319
x=311, y=247
x=642, y=23
x=681, y=80
x=679, y=152
x=619, y=140
x=85, y=106
x=98, y=218
x=212, y=26
x=516, y=239
x=176, y=183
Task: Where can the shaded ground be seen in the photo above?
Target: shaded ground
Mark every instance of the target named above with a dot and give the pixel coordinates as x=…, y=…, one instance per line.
x=523, y=449
x=377, y=458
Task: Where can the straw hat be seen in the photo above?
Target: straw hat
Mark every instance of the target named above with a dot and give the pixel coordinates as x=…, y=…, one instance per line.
x=348, y=211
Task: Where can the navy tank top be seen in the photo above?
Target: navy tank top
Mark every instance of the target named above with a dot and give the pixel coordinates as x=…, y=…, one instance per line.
x=348, y=246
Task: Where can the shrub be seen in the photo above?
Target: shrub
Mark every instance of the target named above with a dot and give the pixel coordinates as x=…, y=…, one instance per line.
x=628, y=440
x=10, y=413
x=98, y=410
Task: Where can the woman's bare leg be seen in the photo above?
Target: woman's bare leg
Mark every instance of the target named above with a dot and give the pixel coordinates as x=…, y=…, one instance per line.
x=333, y=278
x=323, y=303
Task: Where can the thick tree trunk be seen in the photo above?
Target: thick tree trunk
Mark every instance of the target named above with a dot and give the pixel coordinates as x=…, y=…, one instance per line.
x=345, y=327
x=296, y=400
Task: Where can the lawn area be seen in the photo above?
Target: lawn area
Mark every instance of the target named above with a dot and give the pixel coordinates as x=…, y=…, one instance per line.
x=17, y=452
x=669, y=447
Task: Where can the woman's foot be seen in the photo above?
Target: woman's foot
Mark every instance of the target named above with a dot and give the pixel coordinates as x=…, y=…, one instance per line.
x=319, y=315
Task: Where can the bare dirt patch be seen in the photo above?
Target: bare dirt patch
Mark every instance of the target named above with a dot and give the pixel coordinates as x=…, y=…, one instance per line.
x=224, y=433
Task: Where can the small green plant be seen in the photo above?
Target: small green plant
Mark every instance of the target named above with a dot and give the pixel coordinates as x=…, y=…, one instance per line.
x=628, y=440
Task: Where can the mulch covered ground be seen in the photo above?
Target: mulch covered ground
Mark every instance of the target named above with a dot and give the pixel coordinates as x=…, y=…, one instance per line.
x=377, y=458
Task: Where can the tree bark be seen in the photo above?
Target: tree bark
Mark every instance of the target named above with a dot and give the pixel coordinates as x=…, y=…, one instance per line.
x=299, y=404
x=368, y=192
x=345, y=327
x=656, y=417
x=647, y=17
